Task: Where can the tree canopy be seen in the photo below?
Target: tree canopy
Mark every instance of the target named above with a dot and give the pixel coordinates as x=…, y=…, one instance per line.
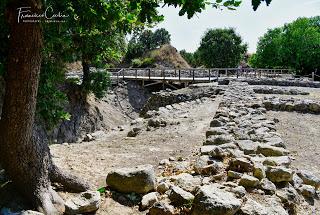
x=295, y=45
x=221, y=48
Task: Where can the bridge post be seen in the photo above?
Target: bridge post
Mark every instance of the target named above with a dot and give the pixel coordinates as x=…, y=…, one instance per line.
x=193, y=75
x=149, y=73
x=312, y=76
x=237, y=73
x=209, y=75
x=179, y=74
x=136, y=73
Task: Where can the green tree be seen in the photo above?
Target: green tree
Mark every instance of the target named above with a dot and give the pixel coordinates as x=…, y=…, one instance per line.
x=221, y=48
x=27, y=159
x=269, y=49
x=295, y=45
x=191, y=58
x=160, y=37
x=142, y=42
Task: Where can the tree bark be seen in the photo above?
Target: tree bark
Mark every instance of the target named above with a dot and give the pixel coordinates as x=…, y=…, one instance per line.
x=25, y=158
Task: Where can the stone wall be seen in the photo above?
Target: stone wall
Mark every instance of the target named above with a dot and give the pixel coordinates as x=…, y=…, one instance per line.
x=193, y=92
x=281, y=82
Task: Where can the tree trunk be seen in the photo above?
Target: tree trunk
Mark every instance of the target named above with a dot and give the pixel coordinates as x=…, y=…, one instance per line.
x=86, y=73
x=26, y=159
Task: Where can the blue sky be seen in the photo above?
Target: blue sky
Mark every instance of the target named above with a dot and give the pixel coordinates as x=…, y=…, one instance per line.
x=186, y=34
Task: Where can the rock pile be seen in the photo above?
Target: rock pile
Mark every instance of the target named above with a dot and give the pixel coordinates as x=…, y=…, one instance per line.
x=278, y=90
x=242, y=158
x=291, y=104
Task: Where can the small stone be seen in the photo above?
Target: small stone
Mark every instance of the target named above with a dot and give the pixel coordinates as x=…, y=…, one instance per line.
x=309, y=179
x=86, y=202
x=140, y=179
x=267, y=186
x=212, y=200
x=270, y=151
x=164, y=162
x=259, y=171
x=163, y=187
x=216, y=131
x=234, y=175
x=240, y=165
x=247, y=146
x=187, y=182
x=307, y=191
x=279, y=174
x=215, y=123
x=88, y=138
x=179, y=197
x=277, y=161
x=252, y=207
x=218, y=140
x=161, y=208
x=204, y=165
x=148, y=200
x=248, y=181
x=172, y=159
x=287, y=194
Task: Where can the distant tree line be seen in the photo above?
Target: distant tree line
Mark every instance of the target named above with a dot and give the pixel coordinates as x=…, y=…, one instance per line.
x=295, y=45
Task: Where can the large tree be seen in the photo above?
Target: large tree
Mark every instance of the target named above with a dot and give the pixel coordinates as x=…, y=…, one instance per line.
x=26, y=159
x=221, y=48
x=295, y=45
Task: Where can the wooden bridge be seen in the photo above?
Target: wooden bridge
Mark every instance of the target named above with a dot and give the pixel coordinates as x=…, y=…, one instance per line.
x=192, y=75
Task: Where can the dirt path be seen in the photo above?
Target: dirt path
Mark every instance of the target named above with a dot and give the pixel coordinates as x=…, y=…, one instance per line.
x=301, y=133
x=95, y=159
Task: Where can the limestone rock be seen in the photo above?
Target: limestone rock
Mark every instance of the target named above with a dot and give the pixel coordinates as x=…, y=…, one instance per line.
x=240, y=165
x=234, y=175
x=248, y=181
x=29, y=212
x=216, y=131
x=270, y=151
x=163, y=187
x=206, y=166
x=279, y=174
x=309, y=179
x=86, y=202
x=267, y=186
x=140, y=179
x=212, y=200
x=148, y=200
x=252, y=207
x=277, y=161
x=247, y=146
x=161, y=208
x=187, y=182
x=307, y=191
x=218, y=140
x=179, y=197
x=259, y=171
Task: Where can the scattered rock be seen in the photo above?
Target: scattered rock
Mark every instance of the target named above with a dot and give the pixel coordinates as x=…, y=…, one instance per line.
x=86, y=202
x=252, y=207
x=148, y=200
x=161, y=208
x=212, y=200
x=163, y=187
x=179, y=197
x=140, y=179
x=307, y=191
x=164, y=162
x=267, y=186
x=187, y=182
x=134, y=132
x=309, y=179
x=234, y=175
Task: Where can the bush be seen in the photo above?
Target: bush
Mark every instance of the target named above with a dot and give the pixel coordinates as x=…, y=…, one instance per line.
x=99, y=83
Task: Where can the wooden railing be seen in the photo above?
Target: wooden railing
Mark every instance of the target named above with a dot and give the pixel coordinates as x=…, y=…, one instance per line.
x=203, y=74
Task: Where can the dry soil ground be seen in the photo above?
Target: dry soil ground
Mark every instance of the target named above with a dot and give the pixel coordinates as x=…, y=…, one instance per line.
x=93, y=160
